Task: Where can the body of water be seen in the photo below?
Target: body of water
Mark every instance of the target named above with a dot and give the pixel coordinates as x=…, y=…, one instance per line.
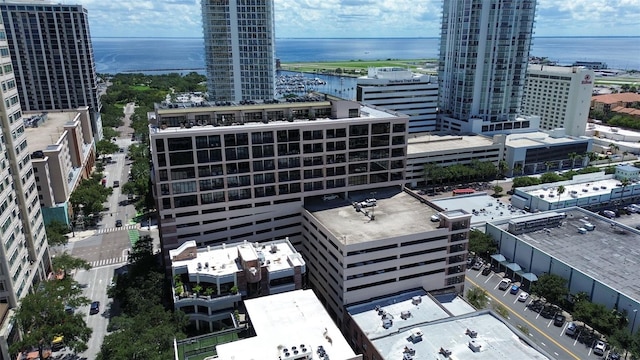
x=162, y=55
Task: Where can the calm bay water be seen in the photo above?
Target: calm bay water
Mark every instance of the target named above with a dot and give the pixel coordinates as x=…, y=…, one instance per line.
x=161, y=55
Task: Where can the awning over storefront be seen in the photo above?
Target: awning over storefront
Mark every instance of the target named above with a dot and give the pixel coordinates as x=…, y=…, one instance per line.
x=513, y=267
x=498, y=257
x=530, y=276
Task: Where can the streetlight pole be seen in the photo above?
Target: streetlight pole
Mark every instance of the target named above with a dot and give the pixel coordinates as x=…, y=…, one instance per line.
x=633, y=326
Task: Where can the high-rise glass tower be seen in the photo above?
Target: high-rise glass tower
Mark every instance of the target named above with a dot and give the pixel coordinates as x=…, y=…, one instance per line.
x=484, y=50
x=52, y=56
x=24, y=252
x=239, y=43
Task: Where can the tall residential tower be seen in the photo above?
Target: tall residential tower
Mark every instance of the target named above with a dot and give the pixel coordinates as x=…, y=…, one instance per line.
x=52, y=56
x=24, y=252
x=484, y=49
x=239, y=43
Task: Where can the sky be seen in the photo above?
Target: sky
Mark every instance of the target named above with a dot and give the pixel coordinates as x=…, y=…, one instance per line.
x=353, y=18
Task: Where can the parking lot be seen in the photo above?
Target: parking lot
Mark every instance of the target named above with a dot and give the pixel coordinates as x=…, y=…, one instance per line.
x=537, y=318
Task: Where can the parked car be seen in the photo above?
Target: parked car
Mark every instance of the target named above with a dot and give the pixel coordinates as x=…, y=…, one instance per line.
x=613, y=356
x=116, y=184
x=118, y=223
x=328, y=197
x=571, y=329
x=523, y=296
x=504, y=284
x=478, y=265
x=514, y=289
x=95, y=308
x=486, y=271
x=559, y=319
x=369, y=203
x=600, y=348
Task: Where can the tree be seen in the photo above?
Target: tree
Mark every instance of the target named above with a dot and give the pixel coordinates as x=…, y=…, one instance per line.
x=65, y=262
x=41, y=317
x=90, y=195
x=614, y=148
x=477, y=297
x=573, y=156
x=597, y=315
x=517, y=169
x=550, y=177
x=481, y=244
x=109, y=133
x=561, y=190
x=56, y=232
x=497, y=190
x=503, y=167
x=104, y=147
x=524, y=181
x=592, y=156
x=551, y=287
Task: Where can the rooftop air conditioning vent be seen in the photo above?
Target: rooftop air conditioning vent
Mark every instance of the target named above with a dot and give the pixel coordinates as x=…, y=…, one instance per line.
x=474, y=346
x=405, y=315
x=472, y=334
x=416, y=300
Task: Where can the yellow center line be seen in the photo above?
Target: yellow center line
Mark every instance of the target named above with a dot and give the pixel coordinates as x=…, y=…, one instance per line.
x=526, y=321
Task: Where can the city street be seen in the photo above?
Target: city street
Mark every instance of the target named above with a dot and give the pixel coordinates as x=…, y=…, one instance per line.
x=541, y=330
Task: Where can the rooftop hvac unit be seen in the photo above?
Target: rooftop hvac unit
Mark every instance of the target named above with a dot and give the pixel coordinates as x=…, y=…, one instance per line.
x=474, y=346
x=387, y=323
x=405, y=315
x=416, y=300
x=416, y=334
x=296, y=352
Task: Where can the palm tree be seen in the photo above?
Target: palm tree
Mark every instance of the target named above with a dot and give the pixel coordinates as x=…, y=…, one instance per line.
x=502, y=167
x=548, y=164
x=592, y=156
x=572, y=157
x=517, y=169
x=561, y=190
x=614, y=147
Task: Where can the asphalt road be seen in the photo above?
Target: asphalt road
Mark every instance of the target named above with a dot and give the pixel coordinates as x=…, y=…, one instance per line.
x=541, y=330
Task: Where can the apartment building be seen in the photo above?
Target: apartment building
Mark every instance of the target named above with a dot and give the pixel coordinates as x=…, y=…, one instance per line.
x=239, y=44
x=357, y=253
x=560, y=96
x=484, y=49
x=445, y=150
x=52, y=56
x=402, y=90
x=24, y=254
x=61, y=159
x=209, y=282
x=223, y=174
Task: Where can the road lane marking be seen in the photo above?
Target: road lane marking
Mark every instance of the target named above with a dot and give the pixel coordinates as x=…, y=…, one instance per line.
x=533, y=326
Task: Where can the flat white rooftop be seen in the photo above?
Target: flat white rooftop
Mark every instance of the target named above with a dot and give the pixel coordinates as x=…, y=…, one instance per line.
x=221, y=260
x=48, y=132
x=433, y=143
x=574, y=191
x=284, y=321
x=396, y=214
x=487, y=208
x=443, y=321
x=537, y=138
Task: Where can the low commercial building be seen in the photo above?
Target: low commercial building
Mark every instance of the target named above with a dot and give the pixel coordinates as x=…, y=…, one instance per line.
x=590, y=191
x=223, y=173
x=596, y=255
x=209, y=282
x=417, y=325
x=355, y=253
x=400, y=89
x=615, y=103
x=603, y=136
x=482, y=207
x=539, y=152
x=292, y=325
x=62, y=153
x=445, y=150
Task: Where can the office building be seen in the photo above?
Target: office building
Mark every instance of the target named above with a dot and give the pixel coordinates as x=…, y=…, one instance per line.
x=24, y=256
x=239, y=44
x=224, y=174
x=61, y=159
x=445, y=150
x=355, y=253
x=484, y=49
x=538, y=152
x=595, y=254
x=402, y=90
x=418, y=325
x=52, y=57
x=208, y=283
x=560, y=96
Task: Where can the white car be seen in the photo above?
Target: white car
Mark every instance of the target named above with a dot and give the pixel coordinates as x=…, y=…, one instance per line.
x=504, y=284
x=329, y=197
x=523, y=296
x=599, y=348
x=368, y=203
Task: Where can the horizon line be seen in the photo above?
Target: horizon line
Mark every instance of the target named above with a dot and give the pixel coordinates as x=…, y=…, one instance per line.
x=355, y=38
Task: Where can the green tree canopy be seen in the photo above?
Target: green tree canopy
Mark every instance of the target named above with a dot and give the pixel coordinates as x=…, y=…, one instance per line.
x=477, y=297
x=551, y=287
x=481, y=244
x=65, y=262
x=41, y=317
x=56, y=232
x=105, y=147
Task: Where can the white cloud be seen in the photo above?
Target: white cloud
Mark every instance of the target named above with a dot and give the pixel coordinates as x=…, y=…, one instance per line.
x=353, y=18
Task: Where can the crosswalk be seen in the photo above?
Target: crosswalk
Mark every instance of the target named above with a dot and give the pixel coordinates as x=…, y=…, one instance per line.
x=113, y=229
x=105, y=262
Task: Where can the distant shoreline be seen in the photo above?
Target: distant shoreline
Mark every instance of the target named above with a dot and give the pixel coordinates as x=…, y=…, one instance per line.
x=357, y=38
